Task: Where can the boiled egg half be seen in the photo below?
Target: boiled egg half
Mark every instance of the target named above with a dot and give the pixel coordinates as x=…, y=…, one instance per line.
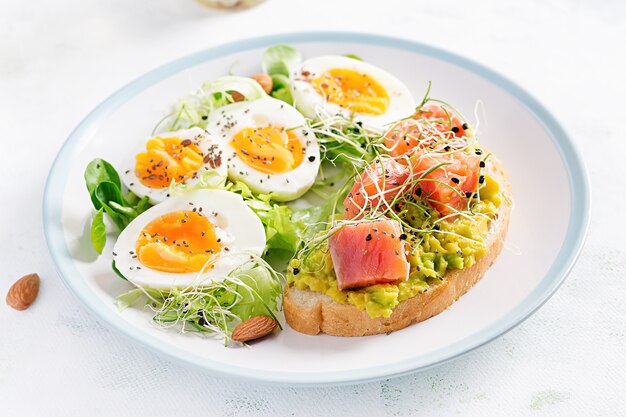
x=268, y=146
x=184, y=157
x=189, y=240
x=329, y=85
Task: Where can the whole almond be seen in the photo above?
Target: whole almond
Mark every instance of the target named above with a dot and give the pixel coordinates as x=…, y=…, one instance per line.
x=237, y=96
x=265, y=81
x=254, y=328
x=23, y=292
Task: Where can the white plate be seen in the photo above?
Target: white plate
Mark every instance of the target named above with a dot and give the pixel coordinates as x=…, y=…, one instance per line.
x=546, y=234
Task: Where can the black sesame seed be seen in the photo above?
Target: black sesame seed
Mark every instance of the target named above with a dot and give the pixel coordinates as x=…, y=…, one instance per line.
x=418, y=192
x=481, y=179
x=482, y=164
x=478, y=152
x=296, y=271
x=455, y=180
x=468, y=194
x=436, y=227
x=368, y=237
x=465, y=126
x=455, y=129
x=403, y=236
x=311, y=158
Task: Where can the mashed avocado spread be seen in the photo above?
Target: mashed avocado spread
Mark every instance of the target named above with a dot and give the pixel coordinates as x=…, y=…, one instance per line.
x=445, y=245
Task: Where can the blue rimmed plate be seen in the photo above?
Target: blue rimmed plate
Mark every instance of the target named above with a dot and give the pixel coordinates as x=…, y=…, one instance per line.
x=544, y=166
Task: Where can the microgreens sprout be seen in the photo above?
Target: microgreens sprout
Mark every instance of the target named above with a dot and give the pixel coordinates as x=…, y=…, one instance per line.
x=216, y=306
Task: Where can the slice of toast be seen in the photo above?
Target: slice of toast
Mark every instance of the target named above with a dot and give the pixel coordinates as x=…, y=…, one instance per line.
x=312, y=312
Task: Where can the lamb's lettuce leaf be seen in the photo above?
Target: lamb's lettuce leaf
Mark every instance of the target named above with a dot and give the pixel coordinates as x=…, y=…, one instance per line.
x=98, y=232
x=105, y=190
x=278, y=62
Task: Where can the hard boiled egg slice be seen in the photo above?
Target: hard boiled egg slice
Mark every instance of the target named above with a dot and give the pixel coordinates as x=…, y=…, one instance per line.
x=189, y=240
x=184, y=157
x=267, y=145
x=330, y=85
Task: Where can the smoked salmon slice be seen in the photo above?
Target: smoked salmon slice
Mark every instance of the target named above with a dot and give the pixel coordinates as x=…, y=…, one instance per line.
x=448, y=187
x=427, y=125
x=382, y=179
x=368, y=253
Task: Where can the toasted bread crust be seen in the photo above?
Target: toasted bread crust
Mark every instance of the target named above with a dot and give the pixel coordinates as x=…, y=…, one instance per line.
x=312, y=312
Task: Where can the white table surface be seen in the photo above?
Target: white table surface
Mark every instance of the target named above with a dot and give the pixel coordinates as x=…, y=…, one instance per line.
x=59, y=59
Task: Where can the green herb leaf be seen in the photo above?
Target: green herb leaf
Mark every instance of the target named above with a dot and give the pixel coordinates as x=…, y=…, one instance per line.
x=281, y=88
x=98, y=231
x=280, y=59
x=105, y=190
x=117, y=271
x=358, y=58
x=97, y=172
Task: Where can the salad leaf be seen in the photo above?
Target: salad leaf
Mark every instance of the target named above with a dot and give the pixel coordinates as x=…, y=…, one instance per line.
x=280, y=59
x=282, y=232
x=314, y=218
x=105, y=190
x=358, y=58
x=129, y=298
x=98, y=231
x=117, y=271
x=263, y=297
x=281, y=88
x=100, y=171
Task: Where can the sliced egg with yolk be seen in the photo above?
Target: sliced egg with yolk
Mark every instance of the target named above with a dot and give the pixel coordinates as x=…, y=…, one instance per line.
x=329, y=85
x=182, y=157
x=189, y=240
x=268, y=146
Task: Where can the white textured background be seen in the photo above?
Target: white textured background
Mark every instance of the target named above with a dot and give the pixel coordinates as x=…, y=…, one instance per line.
x=58, y=59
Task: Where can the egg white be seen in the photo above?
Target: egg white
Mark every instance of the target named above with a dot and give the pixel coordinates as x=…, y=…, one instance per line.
x=225, y=122
x=240, y=230
x=202, y=139
x=311, y=103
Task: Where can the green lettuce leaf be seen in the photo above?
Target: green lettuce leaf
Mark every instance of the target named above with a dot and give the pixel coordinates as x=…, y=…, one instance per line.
x=263, y=296
x=280, y=59
x=281, y=88
x=105, y=190
x=98, y=231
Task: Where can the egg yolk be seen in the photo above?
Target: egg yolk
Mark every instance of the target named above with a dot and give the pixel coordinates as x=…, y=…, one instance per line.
x=352, y=90
x=178, y=242
x=168, y=159
x=270, y=149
